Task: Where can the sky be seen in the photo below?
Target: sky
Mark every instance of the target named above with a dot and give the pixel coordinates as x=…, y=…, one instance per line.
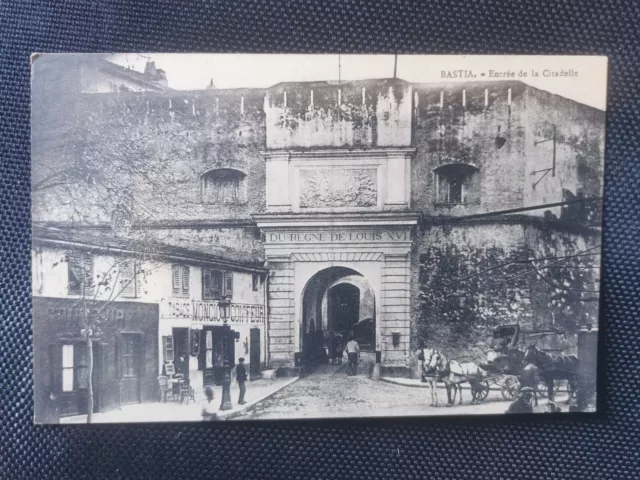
x=195, y=71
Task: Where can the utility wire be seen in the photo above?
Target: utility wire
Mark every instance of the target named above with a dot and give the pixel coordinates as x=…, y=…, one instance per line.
x=528, y=260
x=559, y=286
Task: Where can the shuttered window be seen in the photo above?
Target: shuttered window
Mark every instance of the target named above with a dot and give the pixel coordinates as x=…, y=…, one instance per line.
x=212, y=284
x=167, y=345
x=128, y=280
x=175, y=276
x=180, y=280
x=224, y=186
x=228, y=284
x=455, y=183
x=185, y=280
x=80, y=269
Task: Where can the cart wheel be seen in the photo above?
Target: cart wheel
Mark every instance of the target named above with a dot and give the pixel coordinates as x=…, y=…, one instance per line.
x=542, y=389
x=483, y=390
x=510, y=387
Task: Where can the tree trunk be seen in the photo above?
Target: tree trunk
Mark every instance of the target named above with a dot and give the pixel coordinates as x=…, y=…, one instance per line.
x=87, y=336
x=90, y=382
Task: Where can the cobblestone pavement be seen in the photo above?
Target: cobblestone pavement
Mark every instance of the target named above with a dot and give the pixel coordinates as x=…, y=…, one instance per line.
x=330, y=392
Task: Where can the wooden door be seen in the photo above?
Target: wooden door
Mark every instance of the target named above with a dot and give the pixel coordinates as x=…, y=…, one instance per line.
x=130, y=361
x=254, y=353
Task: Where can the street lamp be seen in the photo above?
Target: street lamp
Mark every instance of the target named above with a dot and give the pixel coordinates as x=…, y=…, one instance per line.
x=224, y=305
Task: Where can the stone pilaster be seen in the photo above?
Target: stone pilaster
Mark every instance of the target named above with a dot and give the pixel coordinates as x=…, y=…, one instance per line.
x=395, y=309
x=281, y=329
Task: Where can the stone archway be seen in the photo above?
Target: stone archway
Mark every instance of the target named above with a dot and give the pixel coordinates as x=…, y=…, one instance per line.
x=376, y=246
x=331, y=302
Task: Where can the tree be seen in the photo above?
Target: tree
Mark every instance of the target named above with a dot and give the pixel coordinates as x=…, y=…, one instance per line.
x=91, y=152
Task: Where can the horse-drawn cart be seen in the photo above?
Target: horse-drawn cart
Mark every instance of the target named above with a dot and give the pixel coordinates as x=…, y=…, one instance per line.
x=505, y=365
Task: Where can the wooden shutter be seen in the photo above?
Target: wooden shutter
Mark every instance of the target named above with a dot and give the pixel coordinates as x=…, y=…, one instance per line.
x=55, y=379
x=137, y=268
x=141, y=346
x=202, y=351
x=74, y=267
x=194, y=339
x=228, y=284
x=119, y=355
x=168, y=349
x=206, y=283
x=87, y=270
x=127, y=285
x=175, y=276
x=185, y=280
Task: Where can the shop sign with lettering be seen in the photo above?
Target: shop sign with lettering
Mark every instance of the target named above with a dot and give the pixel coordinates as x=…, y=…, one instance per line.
x=208, y=312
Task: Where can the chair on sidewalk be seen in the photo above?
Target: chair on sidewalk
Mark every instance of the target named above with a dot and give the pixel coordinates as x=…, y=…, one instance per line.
x=176, y=381
x=165, y=387
x=186, y=391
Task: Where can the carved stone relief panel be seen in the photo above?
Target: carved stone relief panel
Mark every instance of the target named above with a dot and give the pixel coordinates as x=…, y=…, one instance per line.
x=338, y=187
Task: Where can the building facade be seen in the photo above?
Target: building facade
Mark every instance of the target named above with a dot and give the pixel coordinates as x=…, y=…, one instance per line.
x=151, y=305
x=424, y=213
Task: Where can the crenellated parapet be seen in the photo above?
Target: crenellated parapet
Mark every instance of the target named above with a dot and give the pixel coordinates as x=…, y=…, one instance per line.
x=363, y=114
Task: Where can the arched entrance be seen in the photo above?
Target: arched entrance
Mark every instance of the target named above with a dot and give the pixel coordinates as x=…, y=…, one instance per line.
x=337, y=302
x=343, y=308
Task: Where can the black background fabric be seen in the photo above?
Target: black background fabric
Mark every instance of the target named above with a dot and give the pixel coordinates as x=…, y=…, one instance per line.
x=574, y=447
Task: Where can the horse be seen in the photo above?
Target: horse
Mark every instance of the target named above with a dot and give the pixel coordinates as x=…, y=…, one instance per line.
x=455, y=373
x=554, y=367
x=510, y=361
x=430, y=374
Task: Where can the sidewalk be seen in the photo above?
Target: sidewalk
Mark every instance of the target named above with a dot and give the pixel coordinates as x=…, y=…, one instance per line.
x=257, y=391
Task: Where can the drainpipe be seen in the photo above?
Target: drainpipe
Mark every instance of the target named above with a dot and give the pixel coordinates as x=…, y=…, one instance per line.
x=265, y=301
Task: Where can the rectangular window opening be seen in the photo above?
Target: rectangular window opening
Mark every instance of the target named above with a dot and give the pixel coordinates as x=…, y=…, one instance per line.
x=80, y=274
x=212, y=284
x=180, y=280
x=67, y=368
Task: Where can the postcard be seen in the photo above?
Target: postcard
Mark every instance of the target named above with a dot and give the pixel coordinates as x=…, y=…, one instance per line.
x=226, y=237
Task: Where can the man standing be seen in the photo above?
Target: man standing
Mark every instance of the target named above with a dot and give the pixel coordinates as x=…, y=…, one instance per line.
x=353, y=353
x=241, y=377
x=339, y=348
x=182, y=366
x=522, y=404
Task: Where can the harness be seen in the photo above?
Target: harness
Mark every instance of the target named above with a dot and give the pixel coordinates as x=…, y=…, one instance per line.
x=440, y=369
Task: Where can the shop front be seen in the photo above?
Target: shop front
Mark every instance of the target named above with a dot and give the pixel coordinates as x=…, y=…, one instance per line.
x=198, y=337
x=123, y=352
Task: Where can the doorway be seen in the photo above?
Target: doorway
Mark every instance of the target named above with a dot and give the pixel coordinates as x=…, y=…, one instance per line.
x=343, y=308
x=254, y=353
x=336, y=303
x=181, y=351
x=130, y=353
x=216, y=344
